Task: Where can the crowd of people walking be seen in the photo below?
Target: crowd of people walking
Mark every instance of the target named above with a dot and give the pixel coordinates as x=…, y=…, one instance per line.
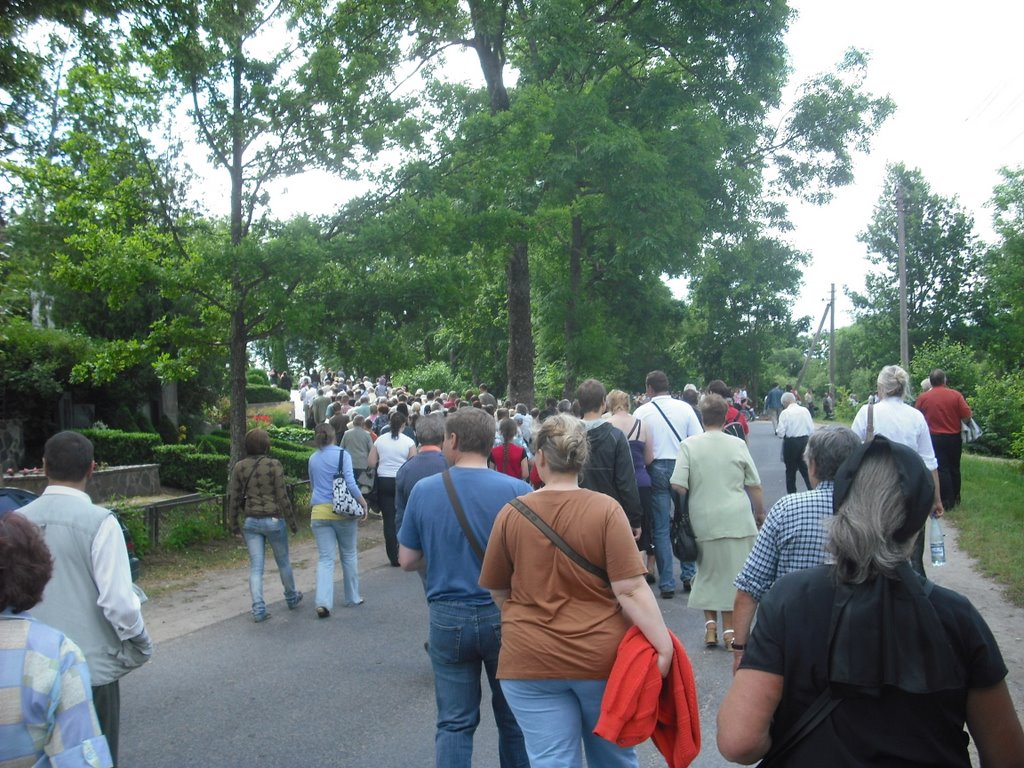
x=538, y=535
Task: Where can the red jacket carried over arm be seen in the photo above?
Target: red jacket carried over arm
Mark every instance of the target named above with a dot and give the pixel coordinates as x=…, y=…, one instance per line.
x=639, y=705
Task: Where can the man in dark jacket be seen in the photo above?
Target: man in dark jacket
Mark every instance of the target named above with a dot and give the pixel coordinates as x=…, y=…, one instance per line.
x=609, y=470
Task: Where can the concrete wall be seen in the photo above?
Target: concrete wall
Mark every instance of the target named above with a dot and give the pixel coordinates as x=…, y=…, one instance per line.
x=120, y=482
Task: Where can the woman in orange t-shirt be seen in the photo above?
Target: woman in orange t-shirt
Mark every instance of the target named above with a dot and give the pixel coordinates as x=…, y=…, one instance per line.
x=560, y=624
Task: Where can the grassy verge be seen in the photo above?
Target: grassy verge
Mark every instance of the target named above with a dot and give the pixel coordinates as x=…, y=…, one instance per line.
x=990, y=520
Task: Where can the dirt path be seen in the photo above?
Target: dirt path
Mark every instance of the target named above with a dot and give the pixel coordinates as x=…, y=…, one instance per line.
x=221, y=595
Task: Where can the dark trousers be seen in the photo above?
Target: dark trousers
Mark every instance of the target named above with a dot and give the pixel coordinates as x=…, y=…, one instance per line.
x=793, y=456
x=107, y=701
x=386, y=489
x=948, y=449
x=646, y=541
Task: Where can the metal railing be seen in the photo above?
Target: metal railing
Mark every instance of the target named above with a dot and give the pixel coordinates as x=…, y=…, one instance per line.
x=153, y=512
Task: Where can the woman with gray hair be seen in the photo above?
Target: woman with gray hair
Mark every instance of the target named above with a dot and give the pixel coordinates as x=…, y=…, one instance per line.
x=864, y=661
x=902, y=423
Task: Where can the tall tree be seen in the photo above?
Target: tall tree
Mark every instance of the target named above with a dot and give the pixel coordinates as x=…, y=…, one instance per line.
x=943, y=261
x=1004, y=272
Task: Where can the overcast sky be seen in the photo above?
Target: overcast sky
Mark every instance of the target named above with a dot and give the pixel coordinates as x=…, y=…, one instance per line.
x=954, y=71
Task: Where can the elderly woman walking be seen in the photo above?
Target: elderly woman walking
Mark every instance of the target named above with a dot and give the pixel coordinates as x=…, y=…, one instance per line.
x=880, y=665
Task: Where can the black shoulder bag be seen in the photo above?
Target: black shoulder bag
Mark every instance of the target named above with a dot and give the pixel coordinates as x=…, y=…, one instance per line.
x=684, y=541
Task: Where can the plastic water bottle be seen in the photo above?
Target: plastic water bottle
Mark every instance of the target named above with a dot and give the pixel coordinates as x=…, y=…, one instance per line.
x=938, y=544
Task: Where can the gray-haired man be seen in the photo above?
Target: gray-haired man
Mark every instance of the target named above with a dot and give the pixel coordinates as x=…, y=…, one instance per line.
x=793, y=535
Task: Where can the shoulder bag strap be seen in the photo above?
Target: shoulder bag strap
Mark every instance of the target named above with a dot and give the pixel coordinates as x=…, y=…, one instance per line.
x=812, y=717
x=246, y=485
x=667, y=421
x=634, y=430
x=341, y=462
x=461, y=515
x=870, y=435
x=559, y=542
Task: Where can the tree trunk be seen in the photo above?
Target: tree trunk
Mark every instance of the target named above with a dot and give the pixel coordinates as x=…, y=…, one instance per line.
x=489, y=39
x=238, y=358
x=520, y=329
x=571, y=321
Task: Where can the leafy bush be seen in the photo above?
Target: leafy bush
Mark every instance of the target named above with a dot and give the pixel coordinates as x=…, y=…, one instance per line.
x=123, y=419
x=296, y=436
x=118, y=448
x=435, y=375
x=999, y=410
x=181, y=466
x=962, y=372
x=135, y=521
x=185, y=526
x=266, y=394
x=282, y=418
x=257, y=377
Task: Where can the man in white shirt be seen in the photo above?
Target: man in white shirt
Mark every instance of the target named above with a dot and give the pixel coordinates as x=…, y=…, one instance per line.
x=668, y=422
x=90, y=597
x=795, y=427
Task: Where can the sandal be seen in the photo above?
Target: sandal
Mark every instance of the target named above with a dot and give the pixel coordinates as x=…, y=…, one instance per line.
x=727, y=636
x=710, y=633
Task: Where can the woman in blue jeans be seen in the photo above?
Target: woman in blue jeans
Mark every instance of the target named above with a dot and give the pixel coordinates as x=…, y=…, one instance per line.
x=256, y=488
x=329, y=529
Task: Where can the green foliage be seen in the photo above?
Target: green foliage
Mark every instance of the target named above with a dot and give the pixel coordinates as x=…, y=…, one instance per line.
x=258, y=377
x=266, y=394
x=117, y=448
x=37, y=363
x=135, y=521
x=998, y=408
x=943, y=261
x=1003, y=317
x=186, y=526
x=958, y=361
x=282, y=419
x=181, y=466
x=435, y=375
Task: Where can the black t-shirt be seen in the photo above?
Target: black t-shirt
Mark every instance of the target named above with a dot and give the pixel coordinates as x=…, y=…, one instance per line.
x=893, y=729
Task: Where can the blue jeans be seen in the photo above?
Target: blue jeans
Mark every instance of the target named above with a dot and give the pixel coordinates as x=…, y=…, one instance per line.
x=661, y=510
x=556, y=715
x=464, y=638
x=342, y=533
x=258, y=531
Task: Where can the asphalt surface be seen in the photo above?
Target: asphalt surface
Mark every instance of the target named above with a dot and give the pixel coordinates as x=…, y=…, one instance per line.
x=354, y=690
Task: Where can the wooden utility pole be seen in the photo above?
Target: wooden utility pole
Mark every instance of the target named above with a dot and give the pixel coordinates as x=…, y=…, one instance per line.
x=901, y=241
x=832, y=344
x=813, y=347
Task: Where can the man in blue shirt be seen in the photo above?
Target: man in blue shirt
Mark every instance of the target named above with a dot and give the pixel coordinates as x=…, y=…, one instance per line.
x=773, y=404
x=793, y=535
x=465, y=634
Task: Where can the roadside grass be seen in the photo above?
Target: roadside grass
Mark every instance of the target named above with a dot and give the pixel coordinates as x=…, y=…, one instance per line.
x=990, y=520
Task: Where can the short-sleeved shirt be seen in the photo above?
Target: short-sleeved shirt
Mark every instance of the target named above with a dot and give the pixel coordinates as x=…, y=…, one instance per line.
x=901, y=423
x=894, y=728
x=792, y=538
x=430, y=526
x=560, y=621
x=715, y=468
x=357, y=442
x=943, y=410
x=681, y=416
x=513, y=467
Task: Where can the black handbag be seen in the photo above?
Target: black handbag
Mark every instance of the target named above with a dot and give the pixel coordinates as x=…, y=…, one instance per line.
x=684, y=543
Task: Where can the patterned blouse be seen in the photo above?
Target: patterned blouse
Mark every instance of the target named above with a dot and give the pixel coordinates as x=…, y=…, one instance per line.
x=257, y=489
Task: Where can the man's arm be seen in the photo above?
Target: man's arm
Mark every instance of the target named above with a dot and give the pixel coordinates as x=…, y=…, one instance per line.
x=743, y=609
x=113, y=576
x=409, y=559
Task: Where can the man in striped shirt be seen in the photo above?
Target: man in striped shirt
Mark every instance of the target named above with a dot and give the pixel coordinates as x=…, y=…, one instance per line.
x=793, y=535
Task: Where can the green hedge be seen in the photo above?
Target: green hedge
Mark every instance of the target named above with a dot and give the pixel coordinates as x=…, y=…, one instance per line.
x=118, y=448
x=255, y=393
x=181, y=466
x=294, y=458
x=257, y=376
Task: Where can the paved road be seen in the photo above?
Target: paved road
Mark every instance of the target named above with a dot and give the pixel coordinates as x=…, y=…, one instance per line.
x=354, y=690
